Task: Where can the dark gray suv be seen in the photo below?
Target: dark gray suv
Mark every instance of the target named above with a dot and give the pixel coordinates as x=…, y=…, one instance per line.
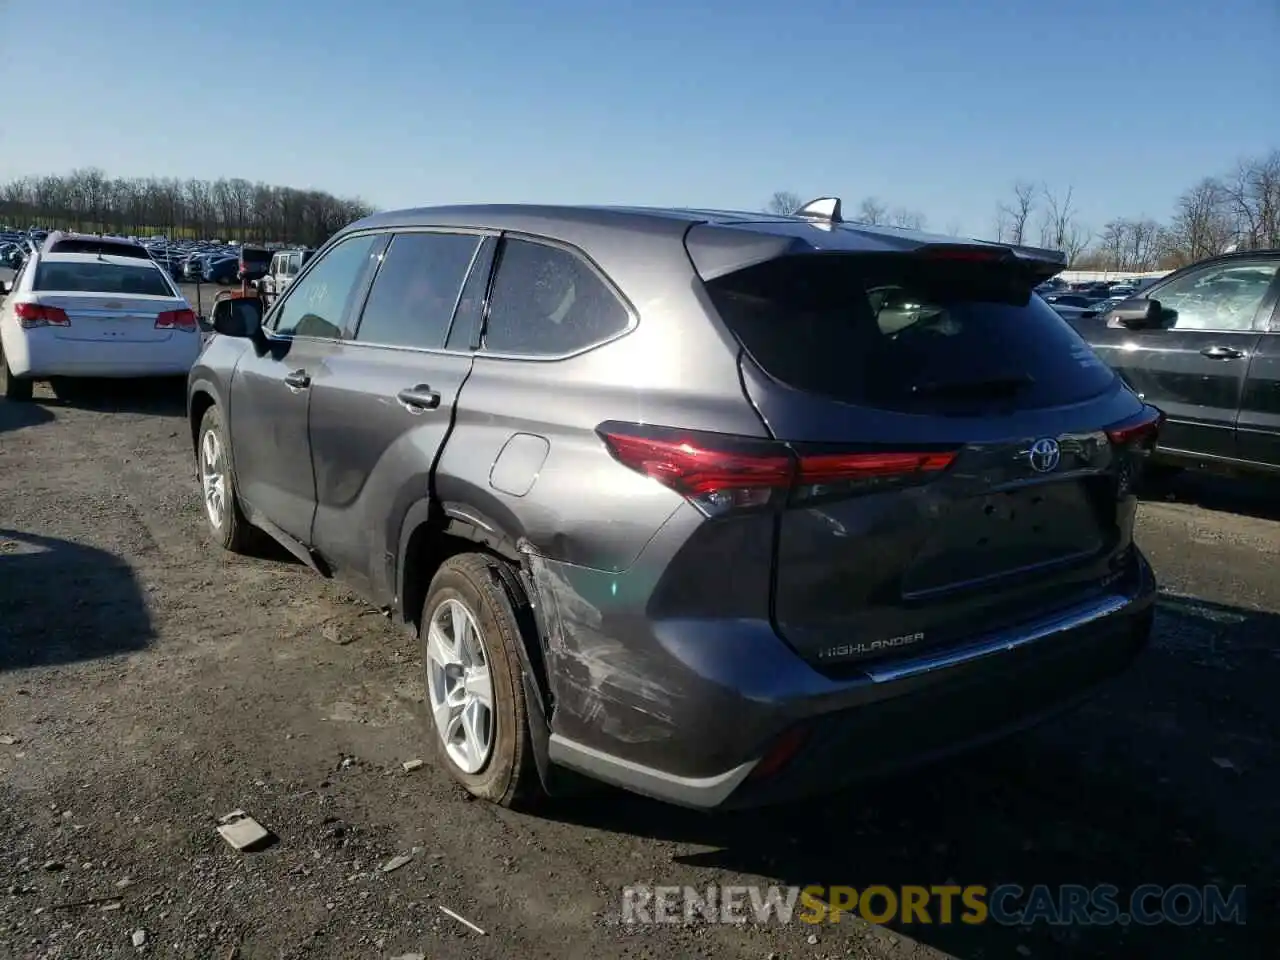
x=723, y=508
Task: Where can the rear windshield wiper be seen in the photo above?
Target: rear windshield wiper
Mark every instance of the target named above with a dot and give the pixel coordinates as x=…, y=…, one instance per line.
x=975, y=388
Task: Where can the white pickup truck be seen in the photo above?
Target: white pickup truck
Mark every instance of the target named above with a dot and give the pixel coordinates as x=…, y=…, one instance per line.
x=285, y=265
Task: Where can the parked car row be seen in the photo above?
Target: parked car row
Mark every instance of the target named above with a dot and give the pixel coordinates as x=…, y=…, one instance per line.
x=208, y=261
x=1082, y=300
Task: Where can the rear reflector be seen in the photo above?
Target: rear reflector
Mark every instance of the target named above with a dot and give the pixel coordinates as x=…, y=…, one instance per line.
x=782, y=752
x=32, y=315
x=1141, y=431
x=184, y=320
x=717, y=472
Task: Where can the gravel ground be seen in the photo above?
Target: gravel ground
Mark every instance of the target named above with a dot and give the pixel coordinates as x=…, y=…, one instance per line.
x=150, y=684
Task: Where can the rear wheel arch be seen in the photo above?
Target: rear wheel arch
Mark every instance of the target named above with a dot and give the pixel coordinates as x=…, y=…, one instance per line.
x=431, y=534
x=201, y=399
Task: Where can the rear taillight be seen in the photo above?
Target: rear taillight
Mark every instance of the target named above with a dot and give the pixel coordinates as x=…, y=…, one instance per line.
x=1140, y=432
x=717, y=472
x=960, y=254
x=38, y=315
x=177, y=320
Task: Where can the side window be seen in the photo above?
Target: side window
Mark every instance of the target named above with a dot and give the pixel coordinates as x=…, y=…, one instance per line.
x=295, y=262
x=1221, y=297
x=548, y=302
x=413, y=295
x=317, y=304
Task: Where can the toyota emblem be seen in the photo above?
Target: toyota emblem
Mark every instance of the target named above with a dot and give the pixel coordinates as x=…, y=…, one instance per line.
x=1045, y=455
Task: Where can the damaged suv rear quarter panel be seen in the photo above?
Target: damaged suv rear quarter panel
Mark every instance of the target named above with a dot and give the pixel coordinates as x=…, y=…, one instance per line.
x=586, y=518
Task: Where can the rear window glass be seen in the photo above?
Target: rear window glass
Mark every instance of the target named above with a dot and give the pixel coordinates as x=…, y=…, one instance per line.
x=143, y=280
x=907, y=334
x=92, y=245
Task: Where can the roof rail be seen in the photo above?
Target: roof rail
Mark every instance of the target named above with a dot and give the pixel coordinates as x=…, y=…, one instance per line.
x=826, y=209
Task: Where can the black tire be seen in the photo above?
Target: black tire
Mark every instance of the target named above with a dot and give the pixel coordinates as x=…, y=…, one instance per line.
x=234, y=533
x=11, y=387
x=492, y=594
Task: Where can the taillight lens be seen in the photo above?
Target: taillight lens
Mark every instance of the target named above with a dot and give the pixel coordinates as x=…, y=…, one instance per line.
x=32, y=315
x=717, y=472
x=714, y=472
x=1140, y=432
x=184, y=320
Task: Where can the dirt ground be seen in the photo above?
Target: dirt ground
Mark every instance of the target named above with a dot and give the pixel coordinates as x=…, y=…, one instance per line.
x=150, y=684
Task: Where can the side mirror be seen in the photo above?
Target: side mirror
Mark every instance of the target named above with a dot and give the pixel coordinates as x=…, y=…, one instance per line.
x=6, y=287
x=1136, y=313
x=237, y=317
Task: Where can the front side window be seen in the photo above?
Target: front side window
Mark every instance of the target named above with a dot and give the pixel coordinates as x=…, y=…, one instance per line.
x=317, y=304
x=1221, y=297
x=416, y=289
x=549, y=302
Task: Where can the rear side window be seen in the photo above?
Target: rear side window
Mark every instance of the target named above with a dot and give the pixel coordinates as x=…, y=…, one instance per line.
x=548, y=302
x=142, y=280
x=416, y=289
x=908, y=334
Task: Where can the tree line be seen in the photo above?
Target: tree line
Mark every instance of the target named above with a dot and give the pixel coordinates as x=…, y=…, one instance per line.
x=1239, y=210
x=232, y=209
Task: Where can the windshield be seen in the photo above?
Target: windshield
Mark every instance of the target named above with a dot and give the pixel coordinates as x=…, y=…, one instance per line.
x=141, y=280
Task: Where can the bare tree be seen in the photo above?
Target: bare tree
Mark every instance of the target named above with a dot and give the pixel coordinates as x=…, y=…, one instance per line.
x=1143, y=249
x=783, y=202
x=1014, y=216
x=908, y=219
x=1113, y=244
x=1252, y=194
x=1202, y=224
x=953, y=228
x=871, y=211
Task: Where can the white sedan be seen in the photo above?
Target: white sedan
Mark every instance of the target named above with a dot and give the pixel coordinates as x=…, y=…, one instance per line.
x=93, y=315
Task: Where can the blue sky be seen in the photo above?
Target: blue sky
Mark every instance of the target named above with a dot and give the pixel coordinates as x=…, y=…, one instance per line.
x=936, y=105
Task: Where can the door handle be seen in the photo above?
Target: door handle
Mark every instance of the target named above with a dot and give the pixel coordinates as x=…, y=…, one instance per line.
x=1222, y=353
x=419, y=398
x=298, y=380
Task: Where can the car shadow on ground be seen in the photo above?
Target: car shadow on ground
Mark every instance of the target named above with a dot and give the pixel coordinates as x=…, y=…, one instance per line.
x=1167, y=777
x=16, y=415
x=1257, y=497
x=158, y=396
x=99, y=608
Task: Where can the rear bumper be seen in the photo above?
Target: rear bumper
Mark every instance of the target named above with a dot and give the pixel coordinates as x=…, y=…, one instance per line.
x=892, y=717
x=40, y=353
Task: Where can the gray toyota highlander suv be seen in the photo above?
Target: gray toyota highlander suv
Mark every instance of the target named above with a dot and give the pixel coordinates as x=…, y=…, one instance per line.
x=723, y=508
